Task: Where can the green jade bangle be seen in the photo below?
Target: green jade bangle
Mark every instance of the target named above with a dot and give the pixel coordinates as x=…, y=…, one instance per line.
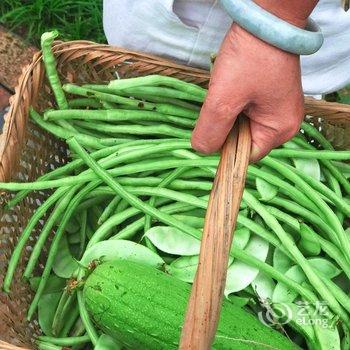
x=274, y=30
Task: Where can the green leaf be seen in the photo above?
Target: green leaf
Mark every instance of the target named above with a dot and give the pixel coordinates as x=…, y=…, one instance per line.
x=264, y=286
x=54, y=284
x=310, y=167
x=46, y=311
x=185, y=267
x=74, y=238
x=324, y=266
x=281, y=261
x=72, y=226
x=193, y=221
x=282, y=294
x=241, y=237
x=121, y=249
x=64, y=265
x=241, y=275
x=173, y=241
x=266, y=190
x=48, y=304
x=309, y=242
x=105, y=342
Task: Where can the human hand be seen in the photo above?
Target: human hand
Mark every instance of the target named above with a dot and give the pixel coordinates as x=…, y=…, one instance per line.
x=258, y=79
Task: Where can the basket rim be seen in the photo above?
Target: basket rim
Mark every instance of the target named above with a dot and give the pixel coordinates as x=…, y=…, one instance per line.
x=8, y=346
x=13, y=132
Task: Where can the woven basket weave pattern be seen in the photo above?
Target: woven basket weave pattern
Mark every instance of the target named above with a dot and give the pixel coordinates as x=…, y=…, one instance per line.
x=26, y=152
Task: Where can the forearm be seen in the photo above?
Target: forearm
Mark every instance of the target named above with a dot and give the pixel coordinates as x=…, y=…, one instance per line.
x=293, y=11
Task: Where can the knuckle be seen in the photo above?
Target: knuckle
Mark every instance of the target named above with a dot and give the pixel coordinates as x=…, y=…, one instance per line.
x=219, y=108
x=289, y=130
x=200, y=146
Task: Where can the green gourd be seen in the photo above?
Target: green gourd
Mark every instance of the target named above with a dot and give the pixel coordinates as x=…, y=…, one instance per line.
x=144, y=308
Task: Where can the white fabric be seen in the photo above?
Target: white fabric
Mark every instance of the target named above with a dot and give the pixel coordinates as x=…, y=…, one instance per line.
x=191, y=30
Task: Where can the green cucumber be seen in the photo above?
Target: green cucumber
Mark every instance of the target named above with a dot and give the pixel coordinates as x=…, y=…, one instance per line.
x=143, y=308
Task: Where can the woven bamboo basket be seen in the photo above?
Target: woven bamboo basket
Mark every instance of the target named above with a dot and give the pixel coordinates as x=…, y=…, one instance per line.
x=26, y=152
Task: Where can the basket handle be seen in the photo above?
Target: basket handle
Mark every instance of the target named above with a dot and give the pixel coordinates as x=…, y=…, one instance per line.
x=204, y=307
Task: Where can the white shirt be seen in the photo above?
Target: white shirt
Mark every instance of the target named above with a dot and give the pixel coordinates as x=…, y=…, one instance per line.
x=189, y=31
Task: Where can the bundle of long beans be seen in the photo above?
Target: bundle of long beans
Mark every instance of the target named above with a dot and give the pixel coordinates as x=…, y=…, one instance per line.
x=135, y=189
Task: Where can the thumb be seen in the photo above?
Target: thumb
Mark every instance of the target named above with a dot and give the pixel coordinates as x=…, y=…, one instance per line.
x=267, y=136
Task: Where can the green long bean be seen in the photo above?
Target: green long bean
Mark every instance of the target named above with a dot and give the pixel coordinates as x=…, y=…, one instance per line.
x=130, y=230
x=47, y=346
x=55, y=242
x=119, y=190
x=82, y=233
x=170, y=101
x=119, y=171
x=315, y=134
x=185, y=199
x=162, y=91
x=116, y=116
x=71, y=318
x=90, y=329
x=153, y=181
x=84, y=102
x=39, y=213
x=165, y=182
x=330, y=217
x=159, y=80
x=57, y=319
x=78, y=90
x=304, y=213
x=61, y=171
x=294, y=251
x=62, y=133
x=68, y=342
x=339, y=294
x=336, y=198
x=159, y=129
x=293, y=192
x=141, y=96
x=344, y=167
x=45, y=232
x=110, y=208
x=328, y=247
x=50, y=67
x=111, y=96
x=310, y=154
x=329, y=165
x=335, y=187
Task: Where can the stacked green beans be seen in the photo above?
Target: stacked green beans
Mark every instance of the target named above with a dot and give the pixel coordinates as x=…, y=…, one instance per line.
x=134, y=189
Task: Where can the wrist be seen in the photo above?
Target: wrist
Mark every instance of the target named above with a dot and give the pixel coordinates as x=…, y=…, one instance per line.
x=293, y=11
x=256, y=48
